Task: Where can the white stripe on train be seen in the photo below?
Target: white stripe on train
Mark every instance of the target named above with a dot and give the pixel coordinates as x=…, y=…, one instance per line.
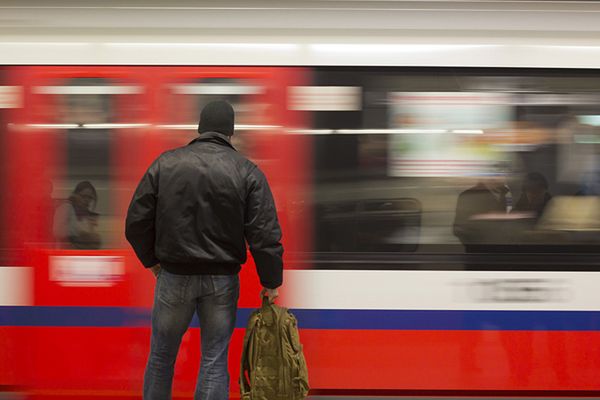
x=441, y=290
x=16, y=286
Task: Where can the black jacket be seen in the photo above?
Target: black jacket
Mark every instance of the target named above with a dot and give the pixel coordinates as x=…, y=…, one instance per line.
x=197, y=205
x=524, y=205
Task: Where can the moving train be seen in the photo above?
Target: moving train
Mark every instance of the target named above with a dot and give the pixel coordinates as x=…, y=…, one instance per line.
x=368, y=147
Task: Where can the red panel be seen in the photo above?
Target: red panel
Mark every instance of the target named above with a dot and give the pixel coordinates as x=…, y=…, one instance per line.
x=409, y=360
x=112, y=360
x=15, y=355
x=32, y=154
x=452, y=360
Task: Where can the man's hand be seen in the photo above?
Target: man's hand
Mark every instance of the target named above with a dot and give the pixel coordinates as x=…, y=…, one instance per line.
x=272, y=294
x=155, y=270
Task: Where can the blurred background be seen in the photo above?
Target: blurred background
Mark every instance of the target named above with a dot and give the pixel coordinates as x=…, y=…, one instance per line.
x=436, y=169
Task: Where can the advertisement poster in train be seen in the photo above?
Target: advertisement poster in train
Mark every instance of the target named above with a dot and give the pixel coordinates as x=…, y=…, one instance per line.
x=437, y=134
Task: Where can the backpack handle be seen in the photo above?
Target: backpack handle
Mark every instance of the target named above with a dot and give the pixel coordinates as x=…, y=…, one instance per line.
x=267, y=311
x=266, y=304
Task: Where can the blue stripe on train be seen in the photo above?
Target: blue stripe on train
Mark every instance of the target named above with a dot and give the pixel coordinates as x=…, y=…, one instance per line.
x=321, y=319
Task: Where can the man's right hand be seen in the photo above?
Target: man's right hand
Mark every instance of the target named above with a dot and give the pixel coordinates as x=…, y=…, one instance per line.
x=272, y=294
x=155, y=270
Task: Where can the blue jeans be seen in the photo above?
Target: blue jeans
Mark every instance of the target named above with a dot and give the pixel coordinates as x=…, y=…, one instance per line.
x=176, y=298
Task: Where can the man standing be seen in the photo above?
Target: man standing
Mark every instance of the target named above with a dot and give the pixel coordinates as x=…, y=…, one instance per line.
x=188, y=222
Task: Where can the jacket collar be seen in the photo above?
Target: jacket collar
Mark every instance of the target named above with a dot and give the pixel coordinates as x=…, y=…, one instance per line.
x=213, y=137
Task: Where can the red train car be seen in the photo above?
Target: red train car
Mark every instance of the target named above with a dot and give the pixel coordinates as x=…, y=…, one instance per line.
x=366, y=165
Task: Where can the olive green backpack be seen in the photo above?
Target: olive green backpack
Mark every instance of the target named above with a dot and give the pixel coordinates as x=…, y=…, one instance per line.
x=273, y=365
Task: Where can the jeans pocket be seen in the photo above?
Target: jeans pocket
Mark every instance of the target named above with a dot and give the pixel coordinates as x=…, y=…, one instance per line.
x=172, y=288
x=226, y=287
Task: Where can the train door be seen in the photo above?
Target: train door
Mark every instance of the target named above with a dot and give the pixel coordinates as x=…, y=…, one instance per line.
x=66, y=206
x=259, y=98
x=15, y=278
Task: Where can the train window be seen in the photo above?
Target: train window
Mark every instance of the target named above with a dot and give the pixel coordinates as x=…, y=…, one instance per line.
x=459, y=161
x=86, y=110
x=191, y=96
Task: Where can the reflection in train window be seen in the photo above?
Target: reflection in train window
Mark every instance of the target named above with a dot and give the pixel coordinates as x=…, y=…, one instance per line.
x=369, y=226
x=84, y=216
x=455, y=161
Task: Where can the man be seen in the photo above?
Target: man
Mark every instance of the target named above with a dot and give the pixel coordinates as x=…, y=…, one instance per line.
x=535, y=195
x=488, y=197
x=188, y=222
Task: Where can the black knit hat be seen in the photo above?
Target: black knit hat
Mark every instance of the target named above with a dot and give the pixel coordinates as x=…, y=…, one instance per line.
x=217, y=116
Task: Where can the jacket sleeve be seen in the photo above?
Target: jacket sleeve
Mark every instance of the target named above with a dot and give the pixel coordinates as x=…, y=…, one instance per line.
x=262, y=230
x=140, y=223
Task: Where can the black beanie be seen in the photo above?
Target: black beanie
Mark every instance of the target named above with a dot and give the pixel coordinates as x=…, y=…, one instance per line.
x=217, y=116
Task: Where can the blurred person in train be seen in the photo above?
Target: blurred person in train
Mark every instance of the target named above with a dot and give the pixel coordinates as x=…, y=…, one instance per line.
x=188, y=222
x=475, y=208
x=534, y=195
x=75, y=221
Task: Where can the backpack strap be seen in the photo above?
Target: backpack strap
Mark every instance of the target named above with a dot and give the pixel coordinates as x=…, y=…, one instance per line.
x=272, y=315
x=283, y=372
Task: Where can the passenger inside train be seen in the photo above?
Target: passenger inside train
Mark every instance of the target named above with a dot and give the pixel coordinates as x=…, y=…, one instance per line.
x=534, y=195
x=477, y=210
x=75, y=221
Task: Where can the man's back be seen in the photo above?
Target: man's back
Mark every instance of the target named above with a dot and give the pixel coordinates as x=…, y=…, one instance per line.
x=195, y=207
x=201, y=203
